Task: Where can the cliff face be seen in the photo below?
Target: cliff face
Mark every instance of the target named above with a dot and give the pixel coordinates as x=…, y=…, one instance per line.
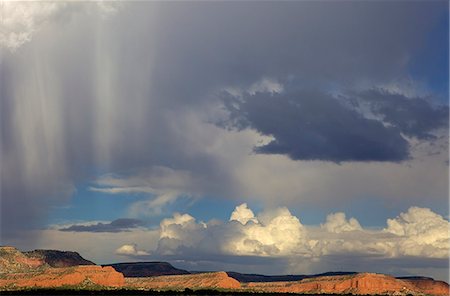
x=358, y=284
x=146, y=269
x=79, y=276
x=429, y=286
x=56, y=258
x=213, y=280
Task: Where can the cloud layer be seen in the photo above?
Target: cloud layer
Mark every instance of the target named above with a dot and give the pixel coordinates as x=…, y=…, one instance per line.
x=277, y=233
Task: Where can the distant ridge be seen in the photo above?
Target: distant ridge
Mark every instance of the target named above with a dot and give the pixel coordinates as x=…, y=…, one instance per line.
x=146, y=269
x=260, y=278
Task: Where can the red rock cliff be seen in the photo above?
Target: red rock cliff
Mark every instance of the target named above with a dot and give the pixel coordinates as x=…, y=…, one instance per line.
x=359, y=284
x=211, y=280
x=57, y=277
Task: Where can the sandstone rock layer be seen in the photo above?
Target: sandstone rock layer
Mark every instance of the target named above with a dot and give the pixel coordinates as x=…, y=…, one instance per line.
x=60, y=277
x=359, y=284
x=213, y=280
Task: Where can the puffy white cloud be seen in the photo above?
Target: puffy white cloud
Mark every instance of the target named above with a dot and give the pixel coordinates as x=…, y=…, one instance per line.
x=273, y=233
x=178, y=227
x=422, y=233
x=243, y=214
x=179, y=232
x=130, y=250
x=337, y=223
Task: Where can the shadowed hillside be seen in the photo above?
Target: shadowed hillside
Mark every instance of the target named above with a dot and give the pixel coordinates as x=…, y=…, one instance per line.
x=146, y=269
x=56, y=258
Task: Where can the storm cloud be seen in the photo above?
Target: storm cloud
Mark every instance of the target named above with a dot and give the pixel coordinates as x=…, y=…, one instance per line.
x=413, y=116
x=315, y=126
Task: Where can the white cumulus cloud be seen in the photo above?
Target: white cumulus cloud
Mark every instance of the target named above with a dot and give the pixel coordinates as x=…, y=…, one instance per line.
x=273, y=233
x=130, y=250
x=243, y=214
x=278, y=233
x=421, y=232
x=337, y=223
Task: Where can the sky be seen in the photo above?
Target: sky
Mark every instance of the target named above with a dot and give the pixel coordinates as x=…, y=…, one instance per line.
x=262, y=137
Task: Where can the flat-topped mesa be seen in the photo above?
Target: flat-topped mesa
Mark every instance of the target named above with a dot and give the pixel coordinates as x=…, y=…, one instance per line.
x=56, y=258
x=211, y=280
x=146, y=269
x=358, y=284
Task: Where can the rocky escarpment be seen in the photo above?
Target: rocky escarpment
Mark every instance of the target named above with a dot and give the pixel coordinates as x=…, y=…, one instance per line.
x=56, y=258
x=358, y=284
x=429, y=286
x=12, y=260
x=146, y=269
x=212, y=280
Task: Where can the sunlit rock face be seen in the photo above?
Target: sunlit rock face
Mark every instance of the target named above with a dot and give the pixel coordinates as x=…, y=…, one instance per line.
x=17, y=270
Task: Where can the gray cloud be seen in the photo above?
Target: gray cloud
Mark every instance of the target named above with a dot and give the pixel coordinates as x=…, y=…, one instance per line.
x=118, y=225
x=414, y=116
x=315, y=126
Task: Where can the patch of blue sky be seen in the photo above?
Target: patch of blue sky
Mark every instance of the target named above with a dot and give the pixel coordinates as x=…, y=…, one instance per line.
x=370, y=211
x=87, y=205
x=208, y=208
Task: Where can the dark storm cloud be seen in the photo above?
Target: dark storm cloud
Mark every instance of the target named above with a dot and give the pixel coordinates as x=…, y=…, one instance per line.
x=315, y=126
x=117, y=225
x=89, y=94
x=415, y=117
